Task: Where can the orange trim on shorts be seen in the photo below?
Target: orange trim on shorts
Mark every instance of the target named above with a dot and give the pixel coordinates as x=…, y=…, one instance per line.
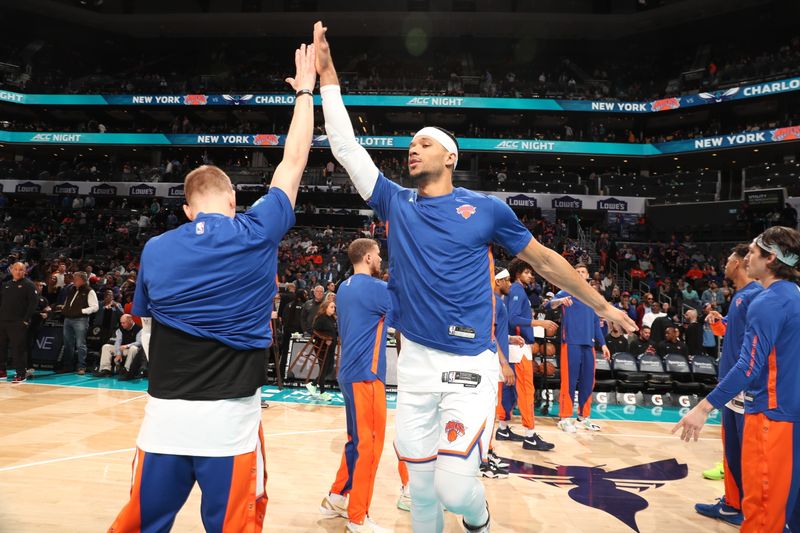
x=772, y=383
x=413, y=461
x=129, y=519
x=767, y=455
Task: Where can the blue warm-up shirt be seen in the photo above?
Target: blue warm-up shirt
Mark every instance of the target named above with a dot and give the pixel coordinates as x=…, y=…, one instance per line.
x=768, y=369
x=501, y=325
x=735, y=324
x=214, y=277
x=440, y=263
x=362, y=305
x=580, y=325
x=520, y=314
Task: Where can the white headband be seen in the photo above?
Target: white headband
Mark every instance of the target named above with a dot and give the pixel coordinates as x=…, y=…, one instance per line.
x=503, y=274
x=441, y=137
x=788, y=259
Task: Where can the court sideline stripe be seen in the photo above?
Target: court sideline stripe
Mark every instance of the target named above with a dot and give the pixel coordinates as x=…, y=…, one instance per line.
x=112, y=452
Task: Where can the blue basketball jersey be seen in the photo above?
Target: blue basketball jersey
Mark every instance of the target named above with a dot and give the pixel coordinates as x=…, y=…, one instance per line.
x=214, y=277
x=440, y=263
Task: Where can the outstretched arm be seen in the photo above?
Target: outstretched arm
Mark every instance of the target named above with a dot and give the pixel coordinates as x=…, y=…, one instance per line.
x=559, y=272
x=351, y=155
x=298, y=141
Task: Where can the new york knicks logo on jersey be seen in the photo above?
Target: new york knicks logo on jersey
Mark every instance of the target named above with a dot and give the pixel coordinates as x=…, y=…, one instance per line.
x=466, y=210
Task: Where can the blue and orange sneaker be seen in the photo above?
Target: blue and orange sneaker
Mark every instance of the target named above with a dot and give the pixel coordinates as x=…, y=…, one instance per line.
x=721, y=511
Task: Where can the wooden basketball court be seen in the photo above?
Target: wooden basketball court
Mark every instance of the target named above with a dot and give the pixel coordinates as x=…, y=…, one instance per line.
x=65, y=465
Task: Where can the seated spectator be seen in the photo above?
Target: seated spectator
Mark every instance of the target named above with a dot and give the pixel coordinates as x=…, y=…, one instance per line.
x=672, y=343
x=127, y=345
x=626, y=305
x=655, y=312
x=694, y=272
x=616, y=341
x=325, y=325
x=108, y=316
x=641, y=343
x=690, y=296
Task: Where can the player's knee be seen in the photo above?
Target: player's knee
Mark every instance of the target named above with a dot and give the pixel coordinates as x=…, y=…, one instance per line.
x=423, y=493
x=458, y=493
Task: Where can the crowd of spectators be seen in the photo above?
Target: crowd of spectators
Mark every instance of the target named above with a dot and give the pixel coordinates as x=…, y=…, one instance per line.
x=445, y=68
x=667, y=288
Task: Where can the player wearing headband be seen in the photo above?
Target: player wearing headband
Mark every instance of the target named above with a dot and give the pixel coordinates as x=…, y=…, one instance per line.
x=768, y=371
x=732, y=327
x=447, y=374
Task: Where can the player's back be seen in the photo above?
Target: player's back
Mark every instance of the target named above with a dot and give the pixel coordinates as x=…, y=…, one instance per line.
x=362, y=303
x=441, y=265
x=214, y=277
x=774, y=389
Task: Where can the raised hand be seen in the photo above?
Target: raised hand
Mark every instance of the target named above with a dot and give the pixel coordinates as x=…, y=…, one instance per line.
x=305, y=71
x=323, y=59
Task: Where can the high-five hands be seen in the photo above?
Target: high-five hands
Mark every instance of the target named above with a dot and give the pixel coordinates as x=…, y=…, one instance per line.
x=305, y=77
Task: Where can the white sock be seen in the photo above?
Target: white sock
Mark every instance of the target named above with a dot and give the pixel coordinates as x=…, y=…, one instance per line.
x=529, y=432
x=503, y=424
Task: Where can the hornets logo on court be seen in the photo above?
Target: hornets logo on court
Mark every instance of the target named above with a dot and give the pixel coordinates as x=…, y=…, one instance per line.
x=615, y=492
x=453, y=430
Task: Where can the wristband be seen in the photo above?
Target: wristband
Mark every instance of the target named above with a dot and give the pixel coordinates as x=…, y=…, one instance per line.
x=301, y=92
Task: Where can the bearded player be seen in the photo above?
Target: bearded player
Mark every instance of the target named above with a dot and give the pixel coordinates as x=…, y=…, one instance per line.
x=447, y=375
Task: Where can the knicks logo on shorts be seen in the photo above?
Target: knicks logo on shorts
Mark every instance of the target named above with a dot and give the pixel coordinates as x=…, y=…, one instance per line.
x=466, y=210
x=453, y=430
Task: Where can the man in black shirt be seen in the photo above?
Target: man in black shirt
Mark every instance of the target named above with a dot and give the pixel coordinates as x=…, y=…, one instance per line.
x=694, y=332
x=310, y=309
x=672, y=343
x=641, y=343
x=291, y=318
x=38, y=318
x=17, y=304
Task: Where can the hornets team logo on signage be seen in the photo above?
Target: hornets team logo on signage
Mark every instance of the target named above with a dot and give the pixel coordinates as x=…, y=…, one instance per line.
x=454, y=429
x=237, y=99
x=466, y=210
x=720, y=96
x=615, y=492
